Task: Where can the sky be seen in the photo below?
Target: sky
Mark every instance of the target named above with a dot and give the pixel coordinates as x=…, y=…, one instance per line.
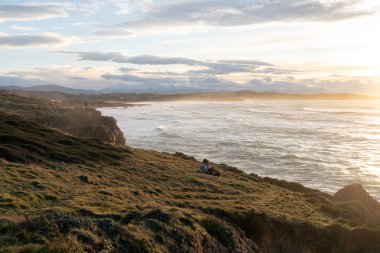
x=299, y=46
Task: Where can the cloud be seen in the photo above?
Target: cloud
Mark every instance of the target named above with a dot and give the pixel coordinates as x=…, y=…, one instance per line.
x=227, y=13
x=111, y=79
x=99, y=56
x=145, y=83
x=131, y=6
x=133, y=83
x=240, y=12
x=145, y=80
x=113, y=33
x=344, y=84
x=88, y=7
x=8, y=80
x=207, y=67
x=246, y=62
x=140, y=59
x=24, y=28
x=47, y=39
x=158, y=60
x=79, y=78
x=131, y=80
x=208, y=83
x=25, y=13
x=225, y=67
x=218, y=75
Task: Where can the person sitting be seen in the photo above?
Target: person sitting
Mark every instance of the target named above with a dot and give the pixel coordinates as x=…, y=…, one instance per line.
x=206, y=168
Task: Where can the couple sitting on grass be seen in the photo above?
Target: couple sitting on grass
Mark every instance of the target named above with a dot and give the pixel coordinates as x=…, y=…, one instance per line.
x=206, y=168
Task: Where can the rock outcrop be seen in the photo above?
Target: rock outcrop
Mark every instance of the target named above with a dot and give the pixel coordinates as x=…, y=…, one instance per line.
x=359, y=203
x=84, y=123
x=356, y=192
x=28, y=142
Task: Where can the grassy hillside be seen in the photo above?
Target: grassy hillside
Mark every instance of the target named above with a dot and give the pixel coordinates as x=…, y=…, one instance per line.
x=60, y=193
x=87, y=123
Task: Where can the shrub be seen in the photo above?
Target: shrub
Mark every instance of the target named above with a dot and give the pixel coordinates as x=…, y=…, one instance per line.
x=134, y=215
x=154, y=225
x=217, y=229
x=158, y=214
x=160, y=238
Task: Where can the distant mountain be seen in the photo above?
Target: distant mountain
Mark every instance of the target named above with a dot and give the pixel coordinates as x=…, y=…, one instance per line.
x=58, y=88
x=50, y=88
x=158, y=90
x=180, y=93
x=11, y=87
x=161, y=89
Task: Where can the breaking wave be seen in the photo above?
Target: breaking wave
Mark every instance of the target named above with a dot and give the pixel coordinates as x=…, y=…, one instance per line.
x=322, y=144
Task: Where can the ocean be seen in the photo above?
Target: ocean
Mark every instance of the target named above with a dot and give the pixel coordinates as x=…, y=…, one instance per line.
x=321, y=144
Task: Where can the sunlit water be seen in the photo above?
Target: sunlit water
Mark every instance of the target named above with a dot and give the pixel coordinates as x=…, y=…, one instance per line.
x=321, y=144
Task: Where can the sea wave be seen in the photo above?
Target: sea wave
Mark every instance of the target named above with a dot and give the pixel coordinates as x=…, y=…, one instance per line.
x=167, y=131
x=342, y=111
x=256, y=111
x=289, y=157
x=311, y=142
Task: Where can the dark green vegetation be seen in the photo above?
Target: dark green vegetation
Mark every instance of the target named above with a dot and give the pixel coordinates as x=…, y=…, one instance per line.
x=60, y=193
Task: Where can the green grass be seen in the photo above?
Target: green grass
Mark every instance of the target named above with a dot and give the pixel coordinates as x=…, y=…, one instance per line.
x=60, y=193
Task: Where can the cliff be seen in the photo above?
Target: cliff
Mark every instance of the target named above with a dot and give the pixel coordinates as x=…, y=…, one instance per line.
x=365, y=208
x=28, y=142
x=86, y=123
x=61, y=193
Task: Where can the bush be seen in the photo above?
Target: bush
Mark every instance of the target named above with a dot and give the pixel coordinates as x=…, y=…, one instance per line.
x=160, y=238
x=217, y=229
x=154, y=225
x=134, y=215
x=158, y=214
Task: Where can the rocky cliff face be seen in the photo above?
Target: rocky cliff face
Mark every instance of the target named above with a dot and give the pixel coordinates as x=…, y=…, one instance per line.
x=361, y=205
x=84, y=123
x=24, y=141
x=351, y=205
x=356, y=192
x=274, y=235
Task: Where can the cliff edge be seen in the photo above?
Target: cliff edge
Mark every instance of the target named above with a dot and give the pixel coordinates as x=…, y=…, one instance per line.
x=362, y=206
x=85, y=123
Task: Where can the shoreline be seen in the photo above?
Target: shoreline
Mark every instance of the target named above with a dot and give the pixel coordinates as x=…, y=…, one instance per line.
x=74, y=193
x=160, y=136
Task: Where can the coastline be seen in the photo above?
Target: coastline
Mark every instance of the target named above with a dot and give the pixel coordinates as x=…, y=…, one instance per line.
x=61, y=192
x=257, y=137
